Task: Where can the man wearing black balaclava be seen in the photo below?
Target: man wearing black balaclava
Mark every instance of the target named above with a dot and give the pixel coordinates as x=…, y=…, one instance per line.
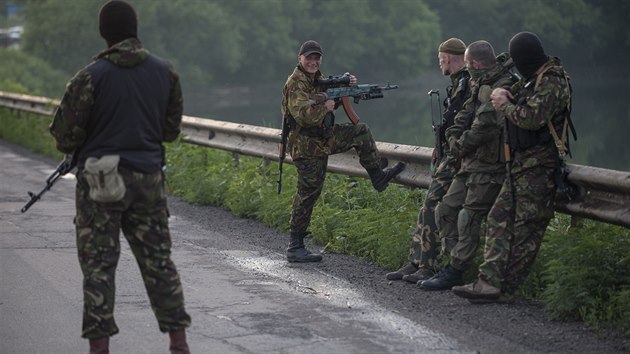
x=537, y=111
x=115, y=115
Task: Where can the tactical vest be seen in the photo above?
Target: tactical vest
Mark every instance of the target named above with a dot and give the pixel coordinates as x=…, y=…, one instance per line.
x=454, y=104
x=522, y=139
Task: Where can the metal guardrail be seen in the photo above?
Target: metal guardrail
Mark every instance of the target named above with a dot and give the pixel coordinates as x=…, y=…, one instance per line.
x=604, y=194
x=33, y=104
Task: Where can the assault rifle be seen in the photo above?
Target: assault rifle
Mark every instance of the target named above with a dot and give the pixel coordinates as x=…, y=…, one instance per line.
x=357, y=92
x=283, y=148
x=437, y=123
x=64, y=167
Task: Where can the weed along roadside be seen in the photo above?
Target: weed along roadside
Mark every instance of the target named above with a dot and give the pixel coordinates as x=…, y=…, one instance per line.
x=582, y=272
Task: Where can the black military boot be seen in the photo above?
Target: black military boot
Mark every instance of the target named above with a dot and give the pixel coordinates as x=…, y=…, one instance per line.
x=297, y=252
x=380, y=178
x=445, y=279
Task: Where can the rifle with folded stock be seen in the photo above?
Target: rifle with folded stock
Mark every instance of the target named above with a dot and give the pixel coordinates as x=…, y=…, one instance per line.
x=64, y=167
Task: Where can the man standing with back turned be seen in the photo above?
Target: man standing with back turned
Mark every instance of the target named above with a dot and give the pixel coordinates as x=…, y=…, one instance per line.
x=114, y=116
x=425, y=249
x=313, y=137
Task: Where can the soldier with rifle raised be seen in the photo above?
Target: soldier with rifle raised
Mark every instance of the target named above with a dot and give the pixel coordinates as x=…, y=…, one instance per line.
x=313, y=136
x=424, y=249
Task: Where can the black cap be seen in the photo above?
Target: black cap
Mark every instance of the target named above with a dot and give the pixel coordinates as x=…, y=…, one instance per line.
x=527, y=53
x=117, y=21
x=310, y=47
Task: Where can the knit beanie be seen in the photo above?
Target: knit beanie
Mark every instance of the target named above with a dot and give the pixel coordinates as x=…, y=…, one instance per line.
x=452, y=46
x=117, y=21
x=527, y=53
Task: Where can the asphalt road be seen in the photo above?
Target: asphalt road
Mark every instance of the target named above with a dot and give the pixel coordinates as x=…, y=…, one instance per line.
x=241, y=293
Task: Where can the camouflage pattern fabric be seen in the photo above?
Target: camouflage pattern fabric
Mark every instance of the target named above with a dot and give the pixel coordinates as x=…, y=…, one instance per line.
x=143, y=217
x=302, y=100
x=517, y=221
x=312, y=172
x=69, y=126
x=476, y=136
x=424, y=250
x=516, y=226
x=142, y=214
x=477, y=133
x=462, y=211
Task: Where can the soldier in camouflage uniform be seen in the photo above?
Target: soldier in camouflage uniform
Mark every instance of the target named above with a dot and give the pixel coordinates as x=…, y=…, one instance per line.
x=313, y=137
x=121, y=107
x=476, y=137
x=536, y=110
x=424, y=249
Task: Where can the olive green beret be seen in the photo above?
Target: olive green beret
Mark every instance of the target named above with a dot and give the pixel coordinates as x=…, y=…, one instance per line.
x=453, y=46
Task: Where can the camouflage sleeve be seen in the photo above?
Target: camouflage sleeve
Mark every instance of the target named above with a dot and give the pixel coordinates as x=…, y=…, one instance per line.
x=484, y=128
x=302, y=105
x=69, y=124
x=174, y=110
x=541, y=106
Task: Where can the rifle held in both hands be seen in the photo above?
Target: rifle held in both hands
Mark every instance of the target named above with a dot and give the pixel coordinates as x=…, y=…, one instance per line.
x=64, y=167
x=358, y=93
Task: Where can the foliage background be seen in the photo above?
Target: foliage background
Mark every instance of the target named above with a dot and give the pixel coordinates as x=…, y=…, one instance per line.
x=234, y=55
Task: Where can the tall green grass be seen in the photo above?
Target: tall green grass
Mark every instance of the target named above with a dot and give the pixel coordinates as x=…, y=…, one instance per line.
x=581, y=273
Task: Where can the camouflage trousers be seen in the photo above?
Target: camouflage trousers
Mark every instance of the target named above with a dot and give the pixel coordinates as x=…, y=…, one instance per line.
x=461, y=212
x=312, y=172
x=516, y=226
x=143, y=217
x=424, y=249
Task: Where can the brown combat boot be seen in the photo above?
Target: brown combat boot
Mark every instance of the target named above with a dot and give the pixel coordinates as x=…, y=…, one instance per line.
x=99, y=345
x=421, y=275
x=407, y=269
x=178, y=342
x=479, y=290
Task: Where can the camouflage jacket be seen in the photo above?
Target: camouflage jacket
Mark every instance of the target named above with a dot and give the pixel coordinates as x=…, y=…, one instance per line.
x=126, y=102
x=478, y=129
x=300, y=102
x=544, y=97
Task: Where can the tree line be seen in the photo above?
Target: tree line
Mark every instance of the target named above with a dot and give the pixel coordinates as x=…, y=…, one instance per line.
x=250, y=43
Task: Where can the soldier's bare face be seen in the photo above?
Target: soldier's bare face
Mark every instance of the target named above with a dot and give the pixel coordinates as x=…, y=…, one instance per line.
x=311, y=62
x=445, y=63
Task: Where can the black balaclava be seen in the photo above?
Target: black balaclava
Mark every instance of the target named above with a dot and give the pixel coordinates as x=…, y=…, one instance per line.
x=527, y=53
x=117, y=21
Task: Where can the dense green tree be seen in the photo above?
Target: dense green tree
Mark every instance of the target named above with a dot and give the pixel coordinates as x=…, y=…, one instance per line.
x=29, y=74
x=64, y=34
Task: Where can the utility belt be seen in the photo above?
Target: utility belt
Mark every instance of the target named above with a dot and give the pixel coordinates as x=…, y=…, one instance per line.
x=522, y=139
x=312, y=132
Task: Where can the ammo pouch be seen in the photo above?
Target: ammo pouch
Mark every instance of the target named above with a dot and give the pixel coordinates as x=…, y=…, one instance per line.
x=106, y=184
